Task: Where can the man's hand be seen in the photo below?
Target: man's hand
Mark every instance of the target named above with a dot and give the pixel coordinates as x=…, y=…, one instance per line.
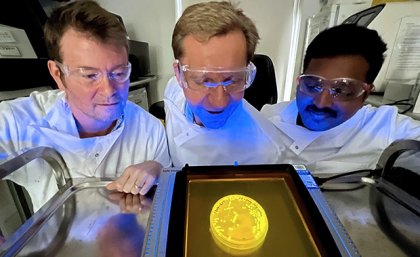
x=138, y=178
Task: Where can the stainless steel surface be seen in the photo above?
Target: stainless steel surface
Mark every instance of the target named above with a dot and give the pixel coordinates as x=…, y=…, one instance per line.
x=84, y=220
x=88, y=220
x=355, y=210
x=338, y=232
x=50, y=155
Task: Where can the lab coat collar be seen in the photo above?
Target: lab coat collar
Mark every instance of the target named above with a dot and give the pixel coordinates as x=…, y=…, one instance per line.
x=58, y=117
x=303, y=137
x=196, y=130
x=59, y=125
x=175, y=94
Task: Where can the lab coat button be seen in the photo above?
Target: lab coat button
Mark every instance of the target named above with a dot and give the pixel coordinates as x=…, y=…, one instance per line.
x=96, y=154
x=296, y=147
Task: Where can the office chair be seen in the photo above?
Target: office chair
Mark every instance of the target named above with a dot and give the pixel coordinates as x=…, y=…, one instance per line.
x=263, y=89
x=158, y=110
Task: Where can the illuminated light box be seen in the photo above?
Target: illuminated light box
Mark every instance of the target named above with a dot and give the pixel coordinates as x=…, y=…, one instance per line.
x=257, y=210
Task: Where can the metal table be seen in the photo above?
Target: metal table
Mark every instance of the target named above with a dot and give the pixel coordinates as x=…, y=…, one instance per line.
x=88, y=220
x=84, y=220
x=360, y=212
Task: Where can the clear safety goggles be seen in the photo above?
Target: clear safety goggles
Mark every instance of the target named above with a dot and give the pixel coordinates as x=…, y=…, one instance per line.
x=341, y=89
x=93, y=76
x=202, y=79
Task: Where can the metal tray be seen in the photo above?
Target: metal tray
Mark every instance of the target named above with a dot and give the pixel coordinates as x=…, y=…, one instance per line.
x=84, y=220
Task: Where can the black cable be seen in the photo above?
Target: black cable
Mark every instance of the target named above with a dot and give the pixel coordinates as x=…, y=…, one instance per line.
x=399, y=102
x=321, y=181
x=406, y=110
x=376, y=93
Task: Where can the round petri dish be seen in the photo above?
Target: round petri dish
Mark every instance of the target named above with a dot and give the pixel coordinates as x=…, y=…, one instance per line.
x=238, y=224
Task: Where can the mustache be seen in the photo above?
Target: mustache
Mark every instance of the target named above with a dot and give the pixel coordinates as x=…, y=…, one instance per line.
x=328, y=111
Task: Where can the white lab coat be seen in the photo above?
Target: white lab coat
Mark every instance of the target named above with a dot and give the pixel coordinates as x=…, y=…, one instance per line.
x=45, y=119
x=353, y=145
x=245, y=138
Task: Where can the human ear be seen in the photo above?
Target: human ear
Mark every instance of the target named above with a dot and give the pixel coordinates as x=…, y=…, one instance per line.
x=55, y=73
x=367, y=91
x=176, y=68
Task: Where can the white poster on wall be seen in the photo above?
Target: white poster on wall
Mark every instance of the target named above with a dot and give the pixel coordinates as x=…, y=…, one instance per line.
x=405, y=58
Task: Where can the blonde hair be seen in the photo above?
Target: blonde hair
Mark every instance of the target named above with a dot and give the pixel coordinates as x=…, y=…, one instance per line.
x=209, y=19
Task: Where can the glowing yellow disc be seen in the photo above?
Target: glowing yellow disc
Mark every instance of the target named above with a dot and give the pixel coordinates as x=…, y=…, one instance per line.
x=238, y=224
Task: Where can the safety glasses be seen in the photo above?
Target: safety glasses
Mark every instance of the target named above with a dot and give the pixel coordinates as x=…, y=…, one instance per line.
x=341, y=89
x=93, y=76
x=203, y=79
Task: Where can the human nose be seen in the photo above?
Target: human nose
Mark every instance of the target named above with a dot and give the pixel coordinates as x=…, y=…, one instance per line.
x=218, y=97
x=324, y=98
x=108, y=85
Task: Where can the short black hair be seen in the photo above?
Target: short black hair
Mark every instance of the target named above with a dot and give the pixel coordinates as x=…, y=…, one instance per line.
x=349, y=39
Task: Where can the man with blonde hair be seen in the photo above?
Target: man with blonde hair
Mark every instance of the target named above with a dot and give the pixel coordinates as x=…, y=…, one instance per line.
x=207, y=120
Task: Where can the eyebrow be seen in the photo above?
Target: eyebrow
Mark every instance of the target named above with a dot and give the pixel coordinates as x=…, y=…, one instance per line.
x=94, y=68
